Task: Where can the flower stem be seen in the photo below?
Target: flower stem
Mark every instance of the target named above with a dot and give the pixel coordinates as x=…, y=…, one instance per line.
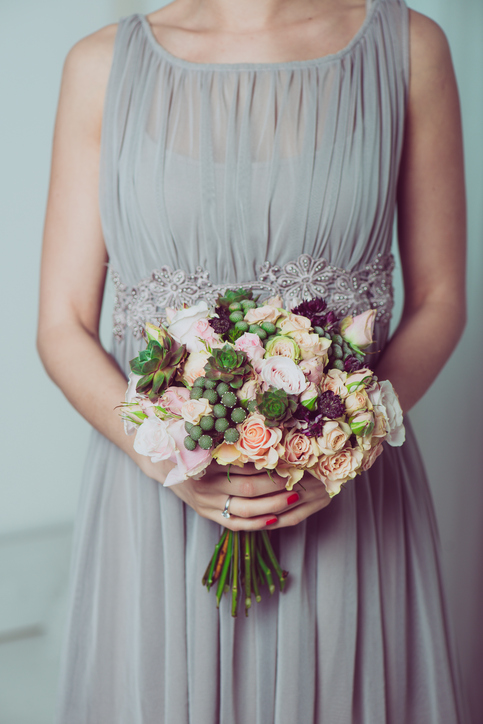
x=282, y=575
x=248, y=566
x=234, y=590
x=224, y=571
x=267, y=572
x=258, y=598
x=208, y=578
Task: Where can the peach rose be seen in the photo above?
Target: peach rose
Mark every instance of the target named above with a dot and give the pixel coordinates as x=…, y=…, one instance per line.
x=362, y=423
x=195, y=366
x=294, y=323
x=334, y=438
x=258, y=443
x=335, y=381
x=193, y=410
x=356, y=401
x=358, y=330
x=334, y=470
x=297, y=449
x=371, y=456
x=267, y=313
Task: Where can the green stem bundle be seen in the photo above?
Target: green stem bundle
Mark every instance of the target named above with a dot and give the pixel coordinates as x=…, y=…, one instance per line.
x=243, y=562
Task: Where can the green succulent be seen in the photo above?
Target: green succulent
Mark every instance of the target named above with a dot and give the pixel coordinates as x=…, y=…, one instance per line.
x=157, y=365
x=234, y=296
x=227, y=365
x=276, y=406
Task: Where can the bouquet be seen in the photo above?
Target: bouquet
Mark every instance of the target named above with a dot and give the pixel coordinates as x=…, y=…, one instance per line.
x=252, y=382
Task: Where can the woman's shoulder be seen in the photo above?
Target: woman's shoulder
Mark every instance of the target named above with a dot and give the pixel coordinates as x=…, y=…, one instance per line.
x=428, y=48
x=86, y=72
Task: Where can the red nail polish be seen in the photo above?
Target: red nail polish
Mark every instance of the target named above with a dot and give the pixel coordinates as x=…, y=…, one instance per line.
x=271, y=521
x=292, y=498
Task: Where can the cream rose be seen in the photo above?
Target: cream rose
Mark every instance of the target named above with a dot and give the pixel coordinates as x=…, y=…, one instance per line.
x=266, y=313
x=357, y=401
x=358, y=380
x=313, y=369
x=385, y=401
x=248, y=391
x=358, y=330
x=195, y=366
x=153, y=440
x=183, y=319
x=283, y=374
x=258, y=443
x=311, y=345
x=362, y=423
x=294, y=323
x=334, y=381
x=193, y=410
x=334, y=470
x=335, y=436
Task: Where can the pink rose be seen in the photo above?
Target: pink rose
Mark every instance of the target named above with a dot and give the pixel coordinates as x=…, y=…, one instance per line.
x=251, y=344
x=334, y=470
x=266, y=313
x=194, y=366
x=193, y=410
x=335, y=436
x=136, y=406
x=313, y=369
x=371, y=456
x=358, y=330
x=154, y=440
x=335, y=381
x=257, y=443
x=294, y=323
x=189, y=463
x=199, y=333
x=283, y=374
x=173, y=399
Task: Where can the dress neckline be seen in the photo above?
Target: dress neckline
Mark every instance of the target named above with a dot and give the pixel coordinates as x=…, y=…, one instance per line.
x=284, y=65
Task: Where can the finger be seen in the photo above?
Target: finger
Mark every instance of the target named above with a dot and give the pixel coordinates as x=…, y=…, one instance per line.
x=263, y=505
x=249, y=486
x=298, y=513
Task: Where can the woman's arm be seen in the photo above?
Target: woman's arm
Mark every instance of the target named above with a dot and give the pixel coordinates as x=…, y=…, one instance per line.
x=72, y=283
x=431, y=220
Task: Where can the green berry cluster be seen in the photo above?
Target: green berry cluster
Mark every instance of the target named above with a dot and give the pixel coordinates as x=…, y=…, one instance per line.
x=339, y=350
x=220, y=425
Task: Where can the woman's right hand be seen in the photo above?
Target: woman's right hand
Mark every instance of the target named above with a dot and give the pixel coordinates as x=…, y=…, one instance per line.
x=257, y=499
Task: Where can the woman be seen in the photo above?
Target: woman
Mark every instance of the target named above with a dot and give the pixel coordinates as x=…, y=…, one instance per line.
x=236, y=134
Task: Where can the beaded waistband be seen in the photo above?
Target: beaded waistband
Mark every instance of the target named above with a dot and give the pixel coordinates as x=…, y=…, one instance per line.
x=346, y=292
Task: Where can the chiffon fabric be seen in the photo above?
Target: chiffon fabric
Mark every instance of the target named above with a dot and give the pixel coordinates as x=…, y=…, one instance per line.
x=223, y=167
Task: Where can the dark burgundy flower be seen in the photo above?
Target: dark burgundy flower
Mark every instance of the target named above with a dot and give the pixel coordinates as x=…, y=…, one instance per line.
x=352, y=364
x=220, y=324
x=330, y=405
x=313, y=309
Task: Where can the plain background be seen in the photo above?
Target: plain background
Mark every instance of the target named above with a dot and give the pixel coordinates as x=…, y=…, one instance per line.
x=44, y=439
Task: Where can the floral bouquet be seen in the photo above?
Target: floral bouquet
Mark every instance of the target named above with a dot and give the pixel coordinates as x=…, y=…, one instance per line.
x=251, y=382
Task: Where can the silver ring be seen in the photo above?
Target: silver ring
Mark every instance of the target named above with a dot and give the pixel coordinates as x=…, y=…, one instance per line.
x=225, y=512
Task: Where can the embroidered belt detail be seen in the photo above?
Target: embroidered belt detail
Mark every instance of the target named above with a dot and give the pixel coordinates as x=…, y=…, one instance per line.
x=346, y=292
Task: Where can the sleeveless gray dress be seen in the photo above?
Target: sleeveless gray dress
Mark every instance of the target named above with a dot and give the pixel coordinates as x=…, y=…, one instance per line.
x=283, y=174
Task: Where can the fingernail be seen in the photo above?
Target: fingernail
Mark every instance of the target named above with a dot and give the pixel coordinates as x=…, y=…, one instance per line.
x=271, y=521
x=292, y=498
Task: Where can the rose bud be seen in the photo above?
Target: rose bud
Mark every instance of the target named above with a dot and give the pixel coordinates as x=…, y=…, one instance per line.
x=358, y=330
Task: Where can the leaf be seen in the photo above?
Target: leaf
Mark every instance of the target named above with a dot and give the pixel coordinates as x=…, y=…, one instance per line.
x=144, y=383
x=149, y=367
x=158, y=381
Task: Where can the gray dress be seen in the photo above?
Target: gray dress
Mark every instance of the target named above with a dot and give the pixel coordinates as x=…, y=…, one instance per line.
x=283, y=174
